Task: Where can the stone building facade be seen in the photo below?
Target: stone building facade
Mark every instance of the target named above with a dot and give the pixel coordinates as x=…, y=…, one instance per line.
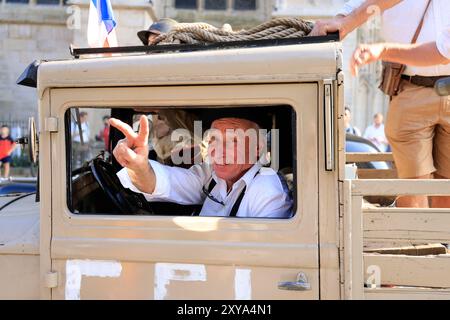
x=361, y=92
x=44, y=29
x=238, y=13
x=28, y=31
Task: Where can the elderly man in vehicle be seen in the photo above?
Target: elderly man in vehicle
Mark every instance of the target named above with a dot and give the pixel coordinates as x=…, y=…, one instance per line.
x=224, y=185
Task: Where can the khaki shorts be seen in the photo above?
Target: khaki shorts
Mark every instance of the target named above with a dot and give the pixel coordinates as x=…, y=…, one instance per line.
x=418, y=130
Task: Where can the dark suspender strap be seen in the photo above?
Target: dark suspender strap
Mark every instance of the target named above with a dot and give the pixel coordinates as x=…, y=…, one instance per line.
x=211, y=186
x=237, y=204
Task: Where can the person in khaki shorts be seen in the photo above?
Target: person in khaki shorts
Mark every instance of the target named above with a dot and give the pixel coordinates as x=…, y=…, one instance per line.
x=418, y=120
x=418, y=126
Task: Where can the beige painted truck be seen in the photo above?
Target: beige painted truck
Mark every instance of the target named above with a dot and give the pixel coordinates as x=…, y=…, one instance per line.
x=87, y=238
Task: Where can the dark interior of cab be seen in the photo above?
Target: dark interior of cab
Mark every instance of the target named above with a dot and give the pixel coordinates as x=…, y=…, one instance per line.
x=94, y=188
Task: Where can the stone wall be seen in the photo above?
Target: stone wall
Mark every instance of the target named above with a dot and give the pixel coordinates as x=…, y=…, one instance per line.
x=27, y=33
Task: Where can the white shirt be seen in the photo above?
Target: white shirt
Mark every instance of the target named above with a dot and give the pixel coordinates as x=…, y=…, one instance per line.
x=265, y=196
x=443, y=42
x=400, y=22
x=76, y=133
x=377, y=136
x=353, y=130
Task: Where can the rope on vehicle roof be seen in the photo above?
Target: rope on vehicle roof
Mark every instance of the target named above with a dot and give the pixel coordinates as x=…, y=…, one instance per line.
x=279, y=28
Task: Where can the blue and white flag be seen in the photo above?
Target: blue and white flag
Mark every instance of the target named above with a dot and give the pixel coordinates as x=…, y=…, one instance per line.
x=101, y=26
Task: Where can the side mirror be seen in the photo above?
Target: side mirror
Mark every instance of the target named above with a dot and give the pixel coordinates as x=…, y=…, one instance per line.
x=29, y=76
x=31, y=140
x=442, y=87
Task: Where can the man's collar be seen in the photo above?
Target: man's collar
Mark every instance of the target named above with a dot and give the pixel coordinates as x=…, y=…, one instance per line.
x=250, y=174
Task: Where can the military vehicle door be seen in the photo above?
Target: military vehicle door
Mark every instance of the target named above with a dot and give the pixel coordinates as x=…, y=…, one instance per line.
x=106, y=256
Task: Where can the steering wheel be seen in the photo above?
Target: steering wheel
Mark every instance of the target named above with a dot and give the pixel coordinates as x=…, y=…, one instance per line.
x=125, y=200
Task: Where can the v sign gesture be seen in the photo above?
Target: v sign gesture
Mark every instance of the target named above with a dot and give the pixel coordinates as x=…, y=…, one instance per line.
x=132, y=153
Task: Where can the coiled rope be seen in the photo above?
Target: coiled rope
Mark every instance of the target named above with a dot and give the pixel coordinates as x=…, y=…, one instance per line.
x=192, y=33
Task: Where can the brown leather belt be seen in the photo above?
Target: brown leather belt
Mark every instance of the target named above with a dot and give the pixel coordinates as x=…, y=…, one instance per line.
x=423, y=81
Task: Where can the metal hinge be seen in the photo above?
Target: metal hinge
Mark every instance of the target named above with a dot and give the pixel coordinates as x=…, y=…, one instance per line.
x=51, y=279
x=340, y=78
x=51, y=124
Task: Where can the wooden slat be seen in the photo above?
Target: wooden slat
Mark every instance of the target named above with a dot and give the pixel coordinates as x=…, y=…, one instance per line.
x=407, y=294
x=412, y=225
x=392, y=187
x=353, y=244
x=377, y=173
x=347, y=239
x=357, y=247
x=410, y=250
x=415, y=271
x=351, y=157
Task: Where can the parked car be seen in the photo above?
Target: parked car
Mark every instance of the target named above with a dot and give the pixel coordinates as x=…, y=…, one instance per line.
x=355, y=143
x=17, y=186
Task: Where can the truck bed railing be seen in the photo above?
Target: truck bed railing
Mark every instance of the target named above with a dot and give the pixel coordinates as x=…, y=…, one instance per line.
x=368, y=157
x=358, y=157
x=392, y=276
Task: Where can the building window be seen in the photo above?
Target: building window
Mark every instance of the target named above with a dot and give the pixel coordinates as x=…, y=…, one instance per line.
x=186, y=4
x=244, y=5
x=240, y=5
x=39, y=2
x=48, y=2
x=17, y=1
x=215, y=4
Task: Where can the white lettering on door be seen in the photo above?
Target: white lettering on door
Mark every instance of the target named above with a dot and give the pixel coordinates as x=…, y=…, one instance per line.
x=75, y=269
x=165, y=272
x=243, y=284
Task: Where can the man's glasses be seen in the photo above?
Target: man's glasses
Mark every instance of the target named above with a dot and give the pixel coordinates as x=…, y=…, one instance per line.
x=211, y=197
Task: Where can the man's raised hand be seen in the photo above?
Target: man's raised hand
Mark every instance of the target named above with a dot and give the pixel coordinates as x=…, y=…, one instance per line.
x=132, y=153
x=365, y=54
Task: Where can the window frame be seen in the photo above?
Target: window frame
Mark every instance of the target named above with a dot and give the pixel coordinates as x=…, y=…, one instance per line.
x=244, y=10
x=230, y=6
x=178, y=7
x=34, y=3
x=225, y=8
x=69, y=156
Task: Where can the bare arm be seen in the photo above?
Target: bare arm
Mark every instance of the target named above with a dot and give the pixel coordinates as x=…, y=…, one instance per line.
x=132, y=153
x=413, y=55
x=420, y=55
x=346, y=24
